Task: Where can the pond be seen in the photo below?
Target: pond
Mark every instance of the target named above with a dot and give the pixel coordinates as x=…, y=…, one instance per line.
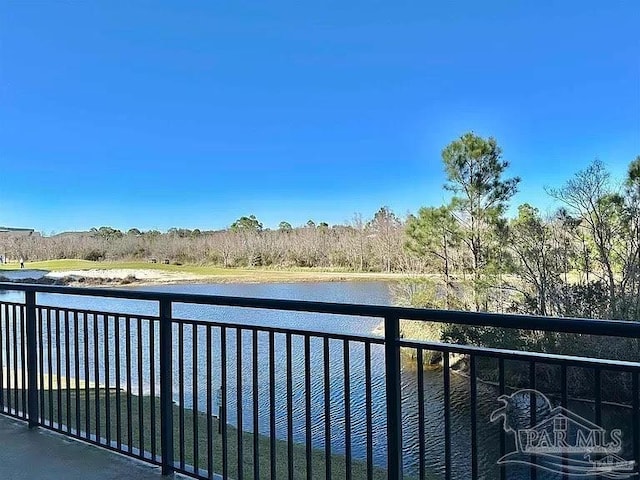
x=343, y=292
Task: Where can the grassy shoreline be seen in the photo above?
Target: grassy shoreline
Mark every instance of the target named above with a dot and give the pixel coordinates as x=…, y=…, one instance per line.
x=153, y=273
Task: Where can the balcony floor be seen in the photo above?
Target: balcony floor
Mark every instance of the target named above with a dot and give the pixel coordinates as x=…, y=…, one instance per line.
x=39, y=454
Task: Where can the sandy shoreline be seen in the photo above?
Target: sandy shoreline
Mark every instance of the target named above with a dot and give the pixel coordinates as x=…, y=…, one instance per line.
x=129, y=274
x=101, y=276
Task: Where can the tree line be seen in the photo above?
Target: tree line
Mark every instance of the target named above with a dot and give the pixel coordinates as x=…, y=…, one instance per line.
x=582, y=260
x=372, y=245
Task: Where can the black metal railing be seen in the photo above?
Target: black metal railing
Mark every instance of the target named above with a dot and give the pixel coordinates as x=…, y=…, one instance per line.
x=215, y=397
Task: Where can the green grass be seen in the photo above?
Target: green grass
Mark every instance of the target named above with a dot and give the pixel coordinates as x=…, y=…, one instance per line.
x=216, y=273
x=75, y=264
x=58, y=413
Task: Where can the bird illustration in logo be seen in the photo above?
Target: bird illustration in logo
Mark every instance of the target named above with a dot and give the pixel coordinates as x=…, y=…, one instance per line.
x=516, y=411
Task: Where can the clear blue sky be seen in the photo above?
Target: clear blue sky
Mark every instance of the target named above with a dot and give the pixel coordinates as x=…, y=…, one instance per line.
x=158, y=114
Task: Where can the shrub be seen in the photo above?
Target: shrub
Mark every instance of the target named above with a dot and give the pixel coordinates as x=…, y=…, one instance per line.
x=94, y=255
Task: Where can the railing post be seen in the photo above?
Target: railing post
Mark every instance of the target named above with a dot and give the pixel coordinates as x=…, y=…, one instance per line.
x=32, y=359
x=394, y=399
x=166, y=387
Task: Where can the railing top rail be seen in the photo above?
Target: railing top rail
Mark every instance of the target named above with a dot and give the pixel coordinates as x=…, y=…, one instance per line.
x=616, y=328
x=537, y=357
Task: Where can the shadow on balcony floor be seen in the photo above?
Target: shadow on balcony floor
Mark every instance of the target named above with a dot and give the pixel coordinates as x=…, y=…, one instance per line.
x=39, y=454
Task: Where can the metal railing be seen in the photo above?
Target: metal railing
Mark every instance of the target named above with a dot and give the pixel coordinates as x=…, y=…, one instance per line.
x=213, y=398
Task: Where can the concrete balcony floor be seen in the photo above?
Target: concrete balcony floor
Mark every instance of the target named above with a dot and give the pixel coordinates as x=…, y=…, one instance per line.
x=39, y=454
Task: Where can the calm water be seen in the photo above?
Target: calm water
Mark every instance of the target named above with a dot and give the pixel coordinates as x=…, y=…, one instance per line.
x=355, y=292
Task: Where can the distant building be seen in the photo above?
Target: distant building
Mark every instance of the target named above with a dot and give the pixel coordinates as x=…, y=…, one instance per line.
x=27, y=232
x=11, y=238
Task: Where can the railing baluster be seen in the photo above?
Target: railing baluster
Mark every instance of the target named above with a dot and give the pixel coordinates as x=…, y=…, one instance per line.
x=87, y=405
x=23, y=362
x=49, y=367
x=327, y=411
x=564, y=399
x=76, y=358
x=96, y=368
x=307, y=405
x=501, y=391
x=447, y=414
x=597, y=386
x=181, y=433
x=67, y=367
x=533, y=472
x=564, y=395
x=8, y=355
x=14, y=362
x=635, y=387
x=256, y=426
x=347, y=409
x=289, y=408
x=368, y=409
x=116, y=333
x=152, y=387
x=209, y=403
x=272, y=405
x=223, y=401
x=166, y=387
x=16, y=370
x=2, y=314
x=32, y=358
x=394, y=396
x=58, y=371
x=140, y=391
x=107, y=379
x=127, y=347
x=239, y=420
x=421, y=439
x=194, y=408
x=41, y=361
x=474, y=416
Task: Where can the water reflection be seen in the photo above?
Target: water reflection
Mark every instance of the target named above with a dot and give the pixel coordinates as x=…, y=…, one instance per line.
x=358, y=292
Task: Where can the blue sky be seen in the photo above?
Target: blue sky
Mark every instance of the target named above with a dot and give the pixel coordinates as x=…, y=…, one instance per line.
x=190, y=114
